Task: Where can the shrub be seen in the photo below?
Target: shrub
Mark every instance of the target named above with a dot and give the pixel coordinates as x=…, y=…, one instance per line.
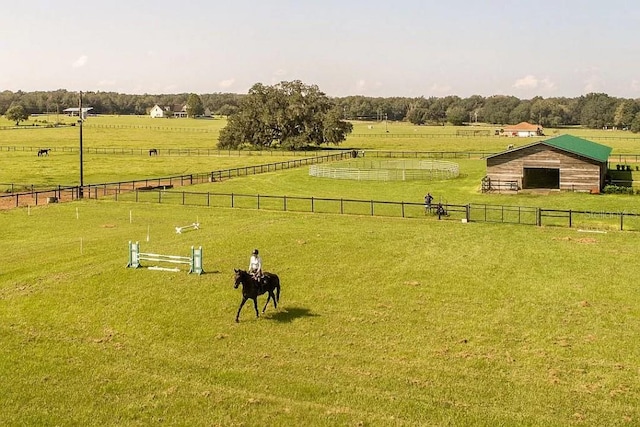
x=617, y=189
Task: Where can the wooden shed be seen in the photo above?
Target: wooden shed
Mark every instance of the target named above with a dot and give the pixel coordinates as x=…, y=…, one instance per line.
x=564, y=162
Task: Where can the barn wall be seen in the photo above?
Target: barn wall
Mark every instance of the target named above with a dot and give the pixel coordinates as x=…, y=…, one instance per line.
x=576, y=173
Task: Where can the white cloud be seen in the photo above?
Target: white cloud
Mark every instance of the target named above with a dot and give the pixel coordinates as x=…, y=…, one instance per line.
x=80, y=62
x=635, y=85
x=280, y=72
x=532, y=82
x=227, y=83
x=546, y=83
x=528, y=81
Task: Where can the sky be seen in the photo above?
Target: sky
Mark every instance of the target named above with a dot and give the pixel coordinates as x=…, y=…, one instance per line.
x=404, y=48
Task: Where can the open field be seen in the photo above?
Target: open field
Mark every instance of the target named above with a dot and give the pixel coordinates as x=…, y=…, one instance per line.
x=144, y=132
x=383, y=321
x=449, y=325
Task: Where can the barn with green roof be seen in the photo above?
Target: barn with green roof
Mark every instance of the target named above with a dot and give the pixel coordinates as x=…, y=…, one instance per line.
x=564, y=162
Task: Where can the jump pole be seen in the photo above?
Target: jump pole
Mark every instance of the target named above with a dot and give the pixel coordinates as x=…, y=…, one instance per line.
x=194, y=226
x=194, y=261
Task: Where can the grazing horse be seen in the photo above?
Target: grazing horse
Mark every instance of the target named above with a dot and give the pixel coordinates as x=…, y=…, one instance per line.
x=153, y=152
x=43, y=152
x=251, y=289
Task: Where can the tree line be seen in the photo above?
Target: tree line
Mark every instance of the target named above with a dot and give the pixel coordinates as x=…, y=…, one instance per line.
x=593, y=110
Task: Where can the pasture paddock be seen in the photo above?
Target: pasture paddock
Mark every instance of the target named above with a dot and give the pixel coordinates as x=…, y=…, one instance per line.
x=447, y=327
x=453, y=324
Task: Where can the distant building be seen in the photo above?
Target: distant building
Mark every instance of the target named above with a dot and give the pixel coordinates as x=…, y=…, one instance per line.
x=523, y=130
x=179, y=110
x=564, y=162
x=168, y=111
x=73, y=111
x=157, y=112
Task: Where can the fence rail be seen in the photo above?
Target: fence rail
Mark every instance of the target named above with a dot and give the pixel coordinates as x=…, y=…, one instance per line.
x=65, y=193
x=170, y=151
x=471, y=212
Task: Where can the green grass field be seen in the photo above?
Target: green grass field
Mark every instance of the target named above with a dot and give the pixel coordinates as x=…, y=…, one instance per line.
x=382, y=321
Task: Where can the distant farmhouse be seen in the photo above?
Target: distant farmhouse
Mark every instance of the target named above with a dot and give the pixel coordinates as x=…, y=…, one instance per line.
x=168, y=111
x=564, y=162
x=523, y=130
x=173, y=111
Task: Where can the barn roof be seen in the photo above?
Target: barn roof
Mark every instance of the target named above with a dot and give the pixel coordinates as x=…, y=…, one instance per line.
x=580, y=146
x=575, y=145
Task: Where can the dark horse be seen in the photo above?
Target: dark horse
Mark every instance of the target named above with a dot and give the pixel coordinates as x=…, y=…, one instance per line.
x=43, y=152
x=153, y=152
x=251, y=289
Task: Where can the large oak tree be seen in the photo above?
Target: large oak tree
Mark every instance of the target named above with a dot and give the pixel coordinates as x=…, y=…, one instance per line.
x=16, y=113
x=290, y=115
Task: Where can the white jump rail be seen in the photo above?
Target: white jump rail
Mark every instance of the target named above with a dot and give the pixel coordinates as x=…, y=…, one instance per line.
x=194, y=226
x=194, y=261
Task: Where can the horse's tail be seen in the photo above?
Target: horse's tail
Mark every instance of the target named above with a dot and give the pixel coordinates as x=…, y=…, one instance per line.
x=277, y=288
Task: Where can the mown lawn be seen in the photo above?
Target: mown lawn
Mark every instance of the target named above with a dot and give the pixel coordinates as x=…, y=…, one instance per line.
x=382, y=321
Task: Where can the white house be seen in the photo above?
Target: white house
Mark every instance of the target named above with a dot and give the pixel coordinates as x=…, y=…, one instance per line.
x=157, y=112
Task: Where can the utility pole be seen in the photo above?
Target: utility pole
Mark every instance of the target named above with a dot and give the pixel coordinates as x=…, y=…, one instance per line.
x=81, y=190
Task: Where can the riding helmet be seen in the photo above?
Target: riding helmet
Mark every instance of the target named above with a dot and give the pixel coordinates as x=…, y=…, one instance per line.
x=255, y=252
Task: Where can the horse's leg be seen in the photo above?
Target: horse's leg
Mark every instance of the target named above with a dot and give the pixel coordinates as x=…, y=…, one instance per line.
x=273, y=298
x=244, y=299
x=267, y=303
x=255, y=305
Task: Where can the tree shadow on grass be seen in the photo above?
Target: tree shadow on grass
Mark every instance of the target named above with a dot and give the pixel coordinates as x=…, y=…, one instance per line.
x=288, y=314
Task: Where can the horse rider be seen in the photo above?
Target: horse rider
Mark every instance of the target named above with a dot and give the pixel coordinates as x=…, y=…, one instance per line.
x=255, y=266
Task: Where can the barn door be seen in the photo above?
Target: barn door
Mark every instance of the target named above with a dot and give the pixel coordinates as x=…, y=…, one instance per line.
x=541, y=178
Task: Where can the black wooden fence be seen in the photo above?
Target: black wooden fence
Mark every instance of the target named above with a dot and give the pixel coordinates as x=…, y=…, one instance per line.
x=583, y=220
x=34, y=197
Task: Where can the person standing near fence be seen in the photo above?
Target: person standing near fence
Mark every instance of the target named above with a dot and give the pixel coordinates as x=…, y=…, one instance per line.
x=427, y=202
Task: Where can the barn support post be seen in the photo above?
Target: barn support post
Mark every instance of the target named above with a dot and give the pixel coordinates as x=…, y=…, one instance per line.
x=538, y=217
x=621, y=220
x=402, y=204
x=284, y=202
x=232, y=200
x=258, y=201
x=208, y=199
x=468, y=212
x=372, y=208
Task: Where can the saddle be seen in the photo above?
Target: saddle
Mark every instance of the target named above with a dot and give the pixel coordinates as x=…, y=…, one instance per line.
x=261, y=280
